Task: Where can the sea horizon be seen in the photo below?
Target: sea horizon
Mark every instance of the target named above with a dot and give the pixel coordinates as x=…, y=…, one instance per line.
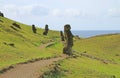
x=91, y=33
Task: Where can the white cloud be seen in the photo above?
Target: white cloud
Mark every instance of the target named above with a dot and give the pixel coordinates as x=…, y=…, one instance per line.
x=35, y=10
x=72, y=12
x=10, y=10
x=26, y=10
x=114, y=12
x=40, y=10
x=67, y=13
x=57, y=12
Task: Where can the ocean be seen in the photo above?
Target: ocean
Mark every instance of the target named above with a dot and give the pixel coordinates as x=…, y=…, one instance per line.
x=90, y=33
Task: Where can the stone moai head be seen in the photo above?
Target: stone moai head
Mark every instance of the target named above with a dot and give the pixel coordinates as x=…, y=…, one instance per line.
x=46, y=30
x=62, y=36
x=33, y=28
x=33, y=25
x=67, y=27
x=46, y=27
x=1, y=14
x=68, y=40
x=61, y=33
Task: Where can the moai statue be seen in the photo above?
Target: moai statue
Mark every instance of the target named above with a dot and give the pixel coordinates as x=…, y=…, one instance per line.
x=62, y=36
x=46, y=30
x=1, y=14
x=34, y=29
x=68, y=40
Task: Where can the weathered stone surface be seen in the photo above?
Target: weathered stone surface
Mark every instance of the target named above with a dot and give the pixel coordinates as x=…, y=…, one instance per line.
x=34, y=29
x=16, y=25
x=46, y=30
x=9, y=44
x=62, y=36
x=1, y=14
x=68, y=40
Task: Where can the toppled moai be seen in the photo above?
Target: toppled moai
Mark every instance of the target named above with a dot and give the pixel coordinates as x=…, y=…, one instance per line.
x=46, y=30
x=34, y=28
x=1, y=14
x=68, y=40
x=16, y=25
x=62, y=36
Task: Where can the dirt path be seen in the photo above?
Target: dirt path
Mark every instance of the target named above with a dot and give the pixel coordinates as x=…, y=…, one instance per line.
x=30, y=70
x=46, y=45
x=106, y=61
x=33, y=69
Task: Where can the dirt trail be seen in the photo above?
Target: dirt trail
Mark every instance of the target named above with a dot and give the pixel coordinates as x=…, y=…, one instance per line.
x=33, y=69
x=106, y=61
x=46, y=45
x=30, y=70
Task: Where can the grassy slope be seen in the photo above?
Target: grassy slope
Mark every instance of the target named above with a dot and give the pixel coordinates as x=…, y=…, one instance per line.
x=105, y=47
x=27, y=47
x=26, y=43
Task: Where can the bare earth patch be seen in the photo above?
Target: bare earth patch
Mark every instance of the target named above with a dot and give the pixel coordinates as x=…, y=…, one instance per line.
x=30, y=70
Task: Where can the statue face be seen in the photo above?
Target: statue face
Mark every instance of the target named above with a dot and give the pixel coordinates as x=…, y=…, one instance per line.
x=46, y=25
x=67, y=27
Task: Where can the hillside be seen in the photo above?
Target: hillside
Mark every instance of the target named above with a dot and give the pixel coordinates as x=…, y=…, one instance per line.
x=95, y=57
x=21, y=44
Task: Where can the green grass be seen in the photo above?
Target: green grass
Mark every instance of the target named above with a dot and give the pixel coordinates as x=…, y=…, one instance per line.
x=84, y=67
x=104, y=47
x=27, y=44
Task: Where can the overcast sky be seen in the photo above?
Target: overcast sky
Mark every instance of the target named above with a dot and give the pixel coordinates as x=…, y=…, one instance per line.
x=80, y=14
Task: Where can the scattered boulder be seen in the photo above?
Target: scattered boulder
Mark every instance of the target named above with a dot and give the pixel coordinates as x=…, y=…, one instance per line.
x=34, y=28
x=62, y=36
x=113, y=76
x=4, y=43
x=117, y=55
x=68, y=40
x=16, y=25
x=9, y=44
x=77, y=37
x=46, y=30
x=105, y=62
x=6, y=69
x=13, y=28
x=1, y=14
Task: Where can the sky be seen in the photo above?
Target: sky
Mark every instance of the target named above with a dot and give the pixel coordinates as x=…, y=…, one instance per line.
x=80, y=14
